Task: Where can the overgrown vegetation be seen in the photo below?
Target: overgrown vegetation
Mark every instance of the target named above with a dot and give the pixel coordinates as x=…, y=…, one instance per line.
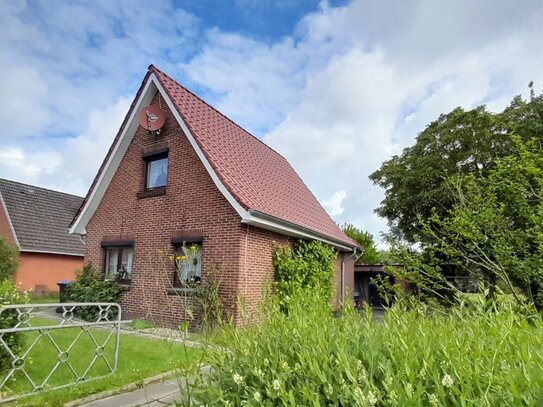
x=90, y=286
x=473, y=354
x=370, y=254
x=306, y=268
x=8, y=319
x=466, y=200
x=9, y=259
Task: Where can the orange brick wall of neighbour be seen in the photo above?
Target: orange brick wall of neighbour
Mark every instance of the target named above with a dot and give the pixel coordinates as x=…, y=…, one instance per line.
x=48, y=269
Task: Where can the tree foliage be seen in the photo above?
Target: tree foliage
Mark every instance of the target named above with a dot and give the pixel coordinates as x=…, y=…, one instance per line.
x=370, y=254
x=456, y=144
x=478, y=210
x=9, y=259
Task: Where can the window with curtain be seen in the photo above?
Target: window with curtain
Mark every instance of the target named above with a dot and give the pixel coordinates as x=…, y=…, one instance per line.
x=187, y=263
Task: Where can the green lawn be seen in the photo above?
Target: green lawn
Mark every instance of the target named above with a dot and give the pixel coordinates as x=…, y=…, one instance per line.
x=138, y=358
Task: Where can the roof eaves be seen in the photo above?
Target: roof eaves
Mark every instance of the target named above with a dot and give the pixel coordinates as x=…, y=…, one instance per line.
x=263, y=219
x=45, y=251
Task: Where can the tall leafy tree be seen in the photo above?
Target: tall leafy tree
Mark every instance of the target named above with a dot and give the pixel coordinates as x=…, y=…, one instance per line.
x=365, y=239
x=459, y=143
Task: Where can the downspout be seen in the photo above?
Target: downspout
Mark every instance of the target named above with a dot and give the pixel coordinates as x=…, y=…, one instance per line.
x=343, y=261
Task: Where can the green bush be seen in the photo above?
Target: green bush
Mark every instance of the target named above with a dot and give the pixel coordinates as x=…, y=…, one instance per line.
x=419, y=356
x=90, y=286
x=308, y=267
x=8, y=319
x=9, y=259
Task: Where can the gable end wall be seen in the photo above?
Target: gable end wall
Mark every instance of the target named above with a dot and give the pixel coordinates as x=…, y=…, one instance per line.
x=192, y=202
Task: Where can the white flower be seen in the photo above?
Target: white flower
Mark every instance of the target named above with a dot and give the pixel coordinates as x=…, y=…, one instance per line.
x=257, y=396
x=328, y=390
x=276, y=385
x=409, y=389
x=432, y=399
x=360, y=398
x=447, y=381
x=393, y=398
x=227, y=403
x=238, y=379
x=266, y=362
x=372, y=399
x=259, y=373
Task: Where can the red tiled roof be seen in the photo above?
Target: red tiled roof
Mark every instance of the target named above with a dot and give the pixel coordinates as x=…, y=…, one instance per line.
x=258, y=177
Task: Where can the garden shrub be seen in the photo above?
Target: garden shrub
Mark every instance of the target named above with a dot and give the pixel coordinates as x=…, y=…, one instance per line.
x=307, y=267
x=417, y=356
x=90, y=286
x=8, y=319
x=9, y=259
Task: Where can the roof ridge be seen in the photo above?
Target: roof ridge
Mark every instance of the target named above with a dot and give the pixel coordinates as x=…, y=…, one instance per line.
x=154, y=68
x=37, y=187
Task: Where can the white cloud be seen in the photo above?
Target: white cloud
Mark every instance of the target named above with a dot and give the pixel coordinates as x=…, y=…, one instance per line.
x=368, y=77
x=22, y=110
x=351, y=86
x=68, y=164
x=333, y=203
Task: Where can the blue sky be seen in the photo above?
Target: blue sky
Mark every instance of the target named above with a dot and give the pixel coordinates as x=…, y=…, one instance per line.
x=335, y=86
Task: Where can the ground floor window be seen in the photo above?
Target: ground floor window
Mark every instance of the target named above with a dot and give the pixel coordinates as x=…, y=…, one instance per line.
x=119, y=260
x=187, y=263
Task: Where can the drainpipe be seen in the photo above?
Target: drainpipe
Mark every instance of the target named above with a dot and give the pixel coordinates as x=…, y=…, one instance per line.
x=343, y=261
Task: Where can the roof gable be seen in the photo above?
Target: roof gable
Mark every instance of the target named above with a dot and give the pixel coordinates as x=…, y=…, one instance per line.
x=40, y=218
x=257, y=181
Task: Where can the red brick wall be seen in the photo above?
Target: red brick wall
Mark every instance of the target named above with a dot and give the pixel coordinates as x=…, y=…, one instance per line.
x=47, y=269
x=192, y=202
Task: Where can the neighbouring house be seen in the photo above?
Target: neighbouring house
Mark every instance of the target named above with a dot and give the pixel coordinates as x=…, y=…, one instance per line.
x=36, y=220
x=183, y=179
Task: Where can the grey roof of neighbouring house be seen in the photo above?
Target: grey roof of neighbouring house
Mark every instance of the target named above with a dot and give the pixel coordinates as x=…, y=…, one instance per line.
x=40, y=218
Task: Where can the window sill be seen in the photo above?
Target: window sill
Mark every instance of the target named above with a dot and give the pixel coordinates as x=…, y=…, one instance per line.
x=179, y=290
x=124, y=286
x=151, y=192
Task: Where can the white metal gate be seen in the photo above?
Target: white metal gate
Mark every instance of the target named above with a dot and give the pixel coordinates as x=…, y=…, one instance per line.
x=69, y=349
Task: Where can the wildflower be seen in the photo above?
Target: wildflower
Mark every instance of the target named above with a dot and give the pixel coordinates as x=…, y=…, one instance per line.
x=393, y=398
x=227, y=403
x=238, y=379
x=359, y=397
x=432, y=399
x=276, y=385
x=447, y=381
x=259, y=373
x=297, y=367
x=328, y=390
x=285, y=366
x=266, y=362
x=257, y=396
x=409, y=389
x=372, y=399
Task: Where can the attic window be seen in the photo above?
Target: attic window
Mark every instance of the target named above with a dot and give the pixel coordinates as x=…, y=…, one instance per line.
x=156, y=170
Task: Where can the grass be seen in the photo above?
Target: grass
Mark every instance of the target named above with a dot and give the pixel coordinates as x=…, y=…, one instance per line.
x=138, y=358
x=51, y=298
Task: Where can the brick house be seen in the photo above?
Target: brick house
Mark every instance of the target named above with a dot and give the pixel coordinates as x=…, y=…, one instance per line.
x=36, y=220
x=204, y=189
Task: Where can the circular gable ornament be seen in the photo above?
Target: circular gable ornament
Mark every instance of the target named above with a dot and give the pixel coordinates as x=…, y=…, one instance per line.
x=151, y=118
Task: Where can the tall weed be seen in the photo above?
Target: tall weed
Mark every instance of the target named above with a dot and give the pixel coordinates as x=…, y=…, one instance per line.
x=417, y=355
